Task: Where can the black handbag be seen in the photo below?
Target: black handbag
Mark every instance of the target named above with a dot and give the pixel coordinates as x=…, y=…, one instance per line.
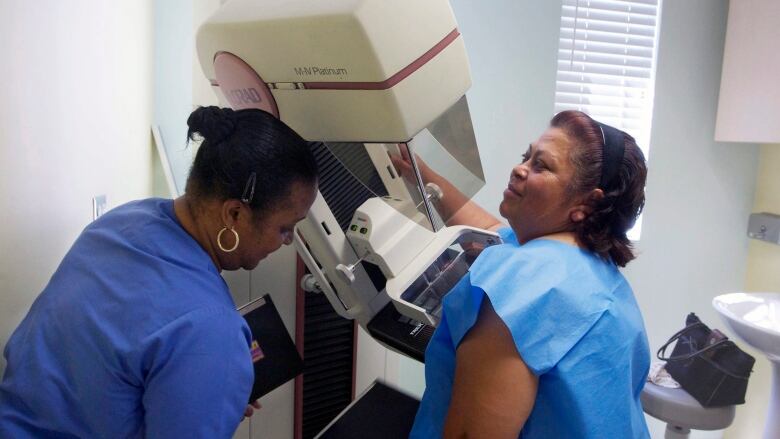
x=708, y=365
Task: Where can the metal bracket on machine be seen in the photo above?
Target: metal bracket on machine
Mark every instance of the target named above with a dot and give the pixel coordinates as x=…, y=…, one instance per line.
x=322, y=283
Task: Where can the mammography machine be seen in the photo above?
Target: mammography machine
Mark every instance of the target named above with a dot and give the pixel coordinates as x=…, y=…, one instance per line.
x=371, y=84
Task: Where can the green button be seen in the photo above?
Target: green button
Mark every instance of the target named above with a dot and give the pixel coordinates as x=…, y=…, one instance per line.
x=353, y=227
x=363, y=230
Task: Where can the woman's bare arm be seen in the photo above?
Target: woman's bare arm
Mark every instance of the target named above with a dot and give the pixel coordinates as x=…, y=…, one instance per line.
x=455, y=206
x=494, y=390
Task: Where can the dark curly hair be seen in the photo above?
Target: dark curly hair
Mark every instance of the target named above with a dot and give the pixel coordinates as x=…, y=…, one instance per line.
x=242, y=145
x=603, y=231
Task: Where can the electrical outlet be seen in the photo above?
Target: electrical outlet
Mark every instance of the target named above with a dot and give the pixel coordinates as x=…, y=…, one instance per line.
x=98, y=206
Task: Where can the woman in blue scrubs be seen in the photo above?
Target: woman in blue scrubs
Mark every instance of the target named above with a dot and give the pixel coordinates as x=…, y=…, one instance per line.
x=136, y=334
x=543, y=338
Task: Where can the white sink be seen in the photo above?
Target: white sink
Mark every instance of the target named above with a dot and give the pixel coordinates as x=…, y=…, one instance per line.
x=755, y=318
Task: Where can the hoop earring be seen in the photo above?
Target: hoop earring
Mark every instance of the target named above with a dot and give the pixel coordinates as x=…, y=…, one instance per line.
x=219, y=240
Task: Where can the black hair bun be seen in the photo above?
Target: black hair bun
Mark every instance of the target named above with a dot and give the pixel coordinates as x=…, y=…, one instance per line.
x=214, y=124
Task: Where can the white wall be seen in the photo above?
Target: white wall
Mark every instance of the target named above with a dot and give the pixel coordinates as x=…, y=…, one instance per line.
x=699, y=192
x=174, y=45
x=512, y=47
x=762, y=275
x=75, y=111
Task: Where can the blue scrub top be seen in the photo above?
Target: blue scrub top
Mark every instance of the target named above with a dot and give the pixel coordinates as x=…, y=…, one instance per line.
x=135, y=335
x=575, y=323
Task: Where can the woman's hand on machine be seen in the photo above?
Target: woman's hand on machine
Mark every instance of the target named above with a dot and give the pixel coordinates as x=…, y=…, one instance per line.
x=403, y=165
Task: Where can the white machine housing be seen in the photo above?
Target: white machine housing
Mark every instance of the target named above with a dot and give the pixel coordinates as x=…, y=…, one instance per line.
x=338, y=70
x=382, y=235
x=373, y=72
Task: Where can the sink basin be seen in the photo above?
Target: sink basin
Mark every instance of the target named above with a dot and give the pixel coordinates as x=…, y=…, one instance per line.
x=755, y=318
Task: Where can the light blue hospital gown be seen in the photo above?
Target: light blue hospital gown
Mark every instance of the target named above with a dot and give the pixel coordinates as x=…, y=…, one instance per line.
x=135, y=335
x=575, y=323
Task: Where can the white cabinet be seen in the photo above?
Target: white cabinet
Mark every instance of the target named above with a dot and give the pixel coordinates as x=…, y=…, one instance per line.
x=749, y=102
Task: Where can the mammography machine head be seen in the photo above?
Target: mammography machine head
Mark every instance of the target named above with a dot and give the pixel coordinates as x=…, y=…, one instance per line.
x=338, y=70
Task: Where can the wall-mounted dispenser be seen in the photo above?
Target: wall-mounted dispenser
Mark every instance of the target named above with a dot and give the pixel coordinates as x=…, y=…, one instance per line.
x=764, y=226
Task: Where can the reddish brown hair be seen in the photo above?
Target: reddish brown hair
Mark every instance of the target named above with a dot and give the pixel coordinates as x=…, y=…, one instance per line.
x=604, y=230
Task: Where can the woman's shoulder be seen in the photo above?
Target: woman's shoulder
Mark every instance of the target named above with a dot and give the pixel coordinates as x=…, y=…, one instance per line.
x=147, y=209
x=135, y=217
x=142, y=236
x=148, y=226
x=543, y=247
x=548, y=293
x=545, y=271
x=556, y=259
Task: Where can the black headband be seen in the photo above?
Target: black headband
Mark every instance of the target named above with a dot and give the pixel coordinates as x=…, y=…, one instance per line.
x=612, y=153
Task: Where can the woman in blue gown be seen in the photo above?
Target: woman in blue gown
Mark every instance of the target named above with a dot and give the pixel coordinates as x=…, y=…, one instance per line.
x=136, y=334
x=543, y=338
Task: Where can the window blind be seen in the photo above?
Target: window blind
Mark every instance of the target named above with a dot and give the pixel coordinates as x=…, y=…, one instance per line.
x=606, y=64
x=606, y=58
